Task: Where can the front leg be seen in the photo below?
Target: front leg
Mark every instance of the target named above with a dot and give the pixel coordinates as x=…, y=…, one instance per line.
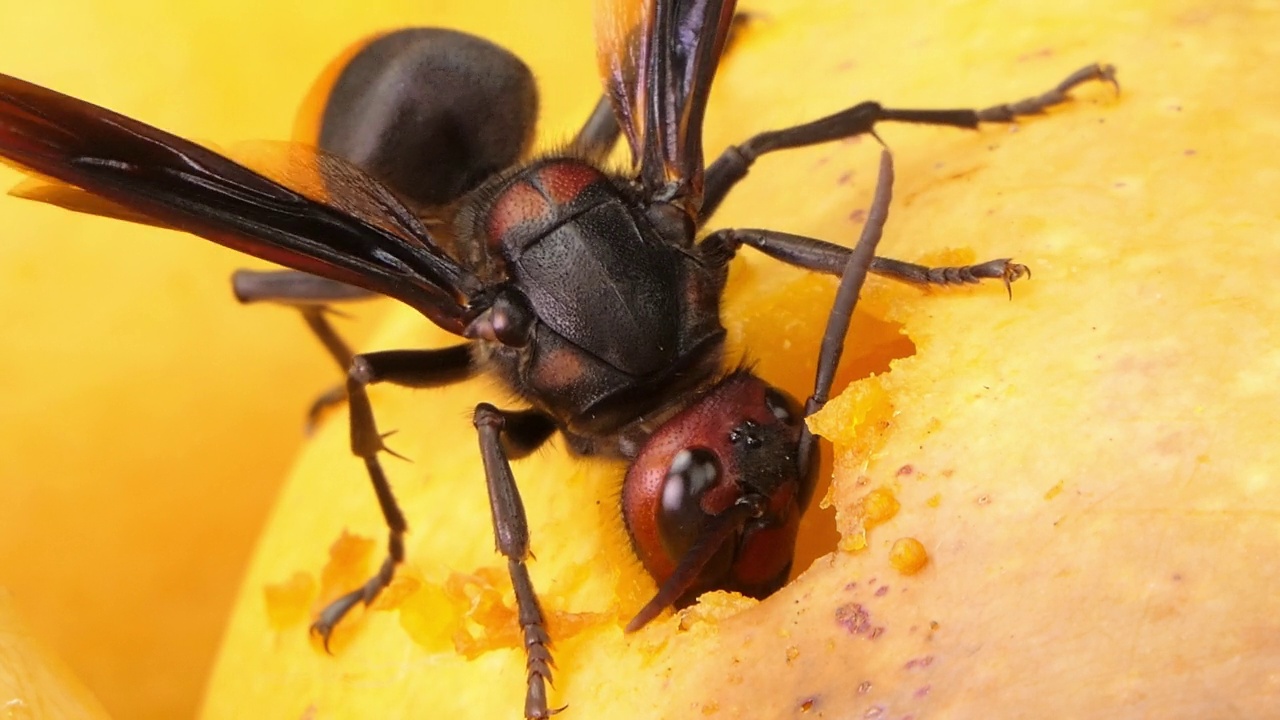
x=511, y=538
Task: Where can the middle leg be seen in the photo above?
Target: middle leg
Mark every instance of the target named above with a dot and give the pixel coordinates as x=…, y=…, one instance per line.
x=406, y=368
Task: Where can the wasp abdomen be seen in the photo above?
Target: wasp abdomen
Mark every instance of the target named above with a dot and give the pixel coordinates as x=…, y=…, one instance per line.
x=431, y=112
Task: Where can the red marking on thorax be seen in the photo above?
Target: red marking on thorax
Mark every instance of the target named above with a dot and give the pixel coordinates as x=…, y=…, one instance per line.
x=536, y=197
x=520, y=202
x=563, y=181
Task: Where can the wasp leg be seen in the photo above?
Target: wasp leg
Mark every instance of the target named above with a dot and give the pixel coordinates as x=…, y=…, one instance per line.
x=406, y=368
x=821, y=256
x=598, y=135
x=1003, y=269
x=308, y=293
x=511, y=536
x=860, y=119
x=311, y=295
x=290, y=287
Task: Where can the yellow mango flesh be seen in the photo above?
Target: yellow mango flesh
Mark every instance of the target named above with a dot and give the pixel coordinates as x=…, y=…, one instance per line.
x=1088, y=467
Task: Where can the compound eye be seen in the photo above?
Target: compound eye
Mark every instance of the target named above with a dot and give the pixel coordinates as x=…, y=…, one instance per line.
x=784, y=409
x=693, y=471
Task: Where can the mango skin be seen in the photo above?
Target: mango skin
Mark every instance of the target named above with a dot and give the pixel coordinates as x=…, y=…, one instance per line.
x=1088, y=466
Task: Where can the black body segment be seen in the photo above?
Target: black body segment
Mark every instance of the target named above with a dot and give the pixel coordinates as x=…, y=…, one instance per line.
x=575, y=251
x=576, y=284
x=431, y=112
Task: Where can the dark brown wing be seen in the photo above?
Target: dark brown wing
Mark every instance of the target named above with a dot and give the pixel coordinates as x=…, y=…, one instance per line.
x=307, y=210
x=658, y=58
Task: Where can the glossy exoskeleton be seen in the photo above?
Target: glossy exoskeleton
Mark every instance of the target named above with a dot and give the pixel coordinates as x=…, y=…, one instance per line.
x=592, y=295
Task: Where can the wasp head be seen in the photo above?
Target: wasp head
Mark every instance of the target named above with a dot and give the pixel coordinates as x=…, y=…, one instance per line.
x=713, y=500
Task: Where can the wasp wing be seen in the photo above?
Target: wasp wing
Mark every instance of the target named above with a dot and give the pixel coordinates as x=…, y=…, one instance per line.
x=52, y=192
x=658, y=58
x=309, y=211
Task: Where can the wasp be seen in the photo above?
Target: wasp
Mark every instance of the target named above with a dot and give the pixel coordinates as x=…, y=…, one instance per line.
x=592, y=294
